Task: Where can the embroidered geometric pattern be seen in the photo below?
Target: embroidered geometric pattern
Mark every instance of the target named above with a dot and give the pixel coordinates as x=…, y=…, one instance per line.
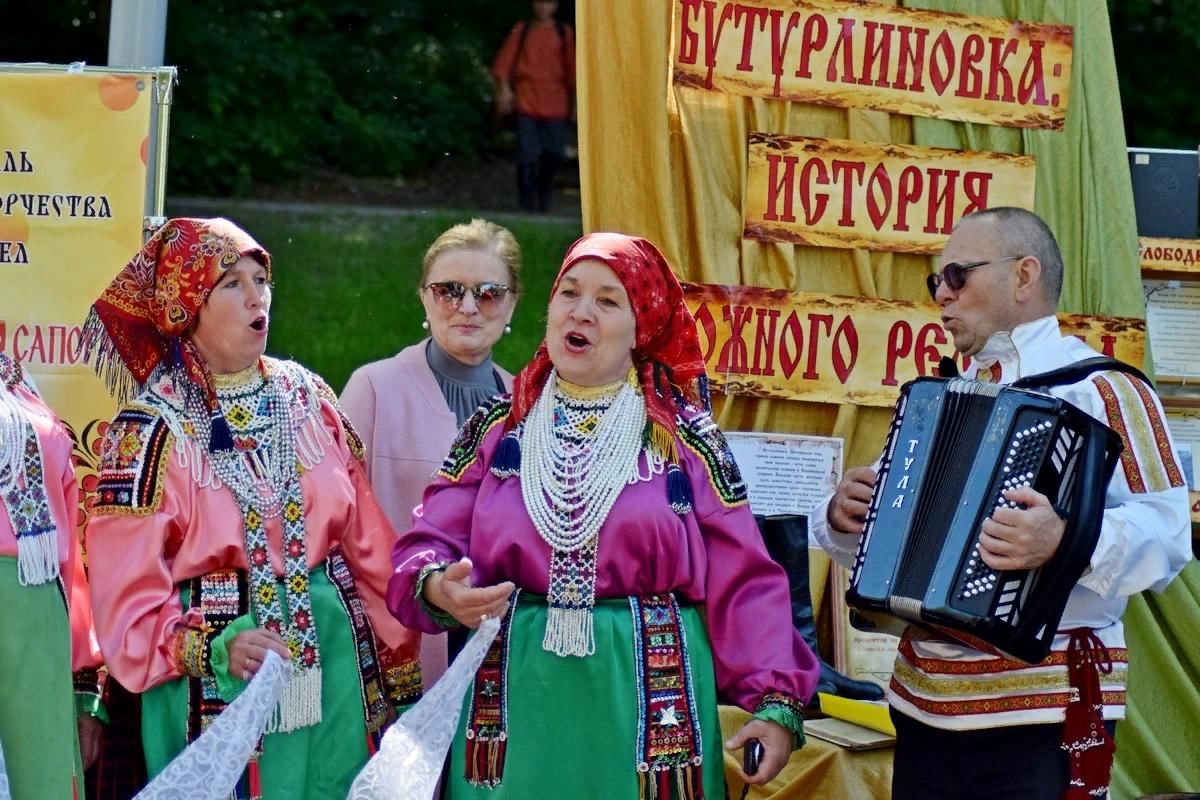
x=464, y=450
x=782, y=701
x=996, y=705
x=1147, y=460
x=371, y=679
x=1159, y=434
x=989, y=666
x=703, y=437
x=276, y=431
x=404, y=683
x=1018, y=681
x=994, y=685
x=221, y=597
x=487, y=715
x=784, y=710
x=133, y=463
x=668, y=739
x=28, y=507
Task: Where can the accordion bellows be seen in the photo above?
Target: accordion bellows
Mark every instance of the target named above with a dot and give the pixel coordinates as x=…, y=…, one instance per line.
x=953, y=449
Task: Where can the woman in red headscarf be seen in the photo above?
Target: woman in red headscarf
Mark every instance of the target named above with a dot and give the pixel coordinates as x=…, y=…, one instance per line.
x=234, y=519
x=599, y=510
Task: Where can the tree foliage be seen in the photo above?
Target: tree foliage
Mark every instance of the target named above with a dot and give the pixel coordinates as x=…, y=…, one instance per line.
x=1157, y=44
x=374, y=87
x=269, y=89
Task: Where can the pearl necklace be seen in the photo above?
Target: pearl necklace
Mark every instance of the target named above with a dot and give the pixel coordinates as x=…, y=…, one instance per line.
x=570, y=486
x=577, y=454
x=12, y=426
x=264, y=420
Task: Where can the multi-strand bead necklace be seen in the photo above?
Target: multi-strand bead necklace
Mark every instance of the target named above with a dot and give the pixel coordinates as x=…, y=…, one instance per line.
x=579, y=449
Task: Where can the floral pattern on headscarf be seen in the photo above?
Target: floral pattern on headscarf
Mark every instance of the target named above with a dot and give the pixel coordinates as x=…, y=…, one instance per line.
x=140, y=319
x=666, y=350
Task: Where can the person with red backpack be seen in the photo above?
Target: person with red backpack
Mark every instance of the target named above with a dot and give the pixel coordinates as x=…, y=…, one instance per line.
x=535, y=77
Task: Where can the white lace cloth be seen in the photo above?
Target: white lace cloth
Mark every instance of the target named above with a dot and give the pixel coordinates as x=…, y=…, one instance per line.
x=5, y=792
x=409, y=761
x=209, y=768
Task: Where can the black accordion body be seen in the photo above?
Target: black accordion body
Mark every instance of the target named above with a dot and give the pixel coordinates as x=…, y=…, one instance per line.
x=954, y=447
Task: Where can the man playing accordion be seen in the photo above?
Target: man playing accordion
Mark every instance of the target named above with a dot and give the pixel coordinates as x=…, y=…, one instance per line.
x=966, y=716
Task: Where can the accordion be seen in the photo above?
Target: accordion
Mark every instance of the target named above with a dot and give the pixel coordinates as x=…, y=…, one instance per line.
x=954, y=447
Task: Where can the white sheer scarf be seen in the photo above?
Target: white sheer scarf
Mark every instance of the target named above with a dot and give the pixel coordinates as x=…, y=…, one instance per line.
x=409, y=762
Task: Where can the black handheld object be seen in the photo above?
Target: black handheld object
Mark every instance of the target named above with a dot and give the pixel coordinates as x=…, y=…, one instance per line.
x=752, y=754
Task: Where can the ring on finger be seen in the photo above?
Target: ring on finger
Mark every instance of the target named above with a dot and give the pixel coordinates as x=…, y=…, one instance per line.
x=483, y=617
x=246, y=674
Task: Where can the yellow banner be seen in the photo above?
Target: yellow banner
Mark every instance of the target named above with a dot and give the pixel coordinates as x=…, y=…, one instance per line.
x=903, y=198
x=73, y=154
x=867, y=55
x=832, y=349
x=1169, y=255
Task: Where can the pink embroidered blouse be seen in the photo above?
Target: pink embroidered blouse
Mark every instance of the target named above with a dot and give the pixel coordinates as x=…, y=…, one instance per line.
x=140, y=556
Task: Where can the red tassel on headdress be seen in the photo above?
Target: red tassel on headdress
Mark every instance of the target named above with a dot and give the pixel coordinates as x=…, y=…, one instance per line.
x=1086, y=740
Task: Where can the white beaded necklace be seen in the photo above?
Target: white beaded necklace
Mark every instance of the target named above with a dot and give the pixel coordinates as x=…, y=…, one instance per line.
x=569, y=485
x=12, y=426
x=569, y=489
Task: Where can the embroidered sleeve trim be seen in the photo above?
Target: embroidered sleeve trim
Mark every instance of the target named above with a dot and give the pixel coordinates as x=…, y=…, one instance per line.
x=703, y=438
x=436, y=614
x=465, y=449
x=403, y=683
x=193, y=650
x=89, y=688
x=784, y=710
x=1147, y=460
x=133, y=463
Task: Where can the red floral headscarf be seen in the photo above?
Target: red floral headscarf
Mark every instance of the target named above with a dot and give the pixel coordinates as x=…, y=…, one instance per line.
x=140, y=320
x=666, y=350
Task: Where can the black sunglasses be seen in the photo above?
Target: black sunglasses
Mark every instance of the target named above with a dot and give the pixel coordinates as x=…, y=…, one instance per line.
x=954, y=275
x=451, y=293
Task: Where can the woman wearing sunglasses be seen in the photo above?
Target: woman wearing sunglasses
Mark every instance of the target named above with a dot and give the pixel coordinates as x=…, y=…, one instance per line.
x=409, y=407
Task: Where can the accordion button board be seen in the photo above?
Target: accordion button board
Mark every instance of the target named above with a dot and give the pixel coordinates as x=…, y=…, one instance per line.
x=955, y=447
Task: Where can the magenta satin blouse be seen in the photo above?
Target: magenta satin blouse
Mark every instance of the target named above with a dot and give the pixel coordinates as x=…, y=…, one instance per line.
x=712, y=557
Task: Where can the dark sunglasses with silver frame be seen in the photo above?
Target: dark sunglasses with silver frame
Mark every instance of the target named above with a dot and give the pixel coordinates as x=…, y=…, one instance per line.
x=451, y=293
x=954, y=275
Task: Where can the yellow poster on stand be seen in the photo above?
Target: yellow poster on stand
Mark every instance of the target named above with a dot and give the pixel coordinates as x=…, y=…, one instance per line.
x=76, y=183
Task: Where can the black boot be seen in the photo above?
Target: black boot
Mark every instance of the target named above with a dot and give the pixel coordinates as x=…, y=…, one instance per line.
x=786, y=538
x=547, y=171
x=527, y=181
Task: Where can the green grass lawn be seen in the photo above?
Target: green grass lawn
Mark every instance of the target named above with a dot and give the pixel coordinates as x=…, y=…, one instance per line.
x=345, y=283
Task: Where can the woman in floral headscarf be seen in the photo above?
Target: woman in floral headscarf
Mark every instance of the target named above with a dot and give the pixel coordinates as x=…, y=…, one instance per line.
x=600, y=511
x=233, y=518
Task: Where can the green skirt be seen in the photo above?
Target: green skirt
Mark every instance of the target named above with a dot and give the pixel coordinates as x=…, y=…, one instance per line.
x=573, y=722
x=38, y=728
x=312, y=763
